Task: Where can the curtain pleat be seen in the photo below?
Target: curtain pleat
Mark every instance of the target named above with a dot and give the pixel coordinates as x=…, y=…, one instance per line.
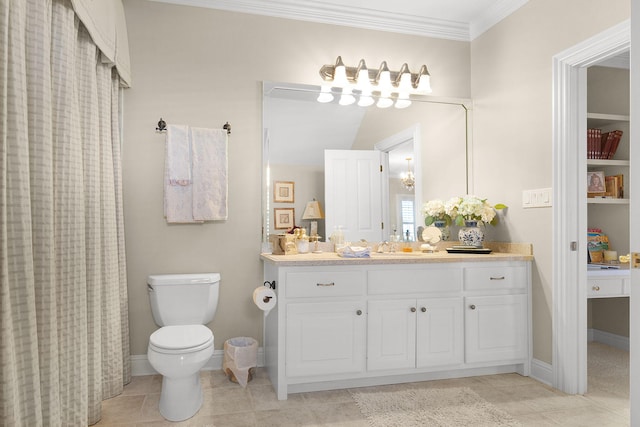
x=63, y=306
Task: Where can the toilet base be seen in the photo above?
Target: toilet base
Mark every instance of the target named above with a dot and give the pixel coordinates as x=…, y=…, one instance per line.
x=181, y=398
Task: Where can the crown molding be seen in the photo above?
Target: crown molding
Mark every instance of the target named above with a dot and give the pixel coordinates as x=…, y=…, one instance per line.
x=339, y=15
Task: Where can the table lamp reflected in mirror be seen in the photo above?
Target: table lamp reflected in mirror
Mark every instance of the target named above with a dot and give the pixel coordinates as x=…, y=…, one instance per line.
x=313, y=212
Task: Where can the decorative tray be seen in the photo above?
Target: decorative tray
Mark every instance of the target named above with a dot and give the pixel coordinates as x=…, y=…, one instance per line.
x=468, y=250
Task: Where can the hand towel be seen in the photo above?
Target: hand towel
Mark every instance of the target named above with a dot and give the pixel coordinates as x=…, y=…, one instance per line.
x=209, y=174
x=179, y=155
x=178, y=199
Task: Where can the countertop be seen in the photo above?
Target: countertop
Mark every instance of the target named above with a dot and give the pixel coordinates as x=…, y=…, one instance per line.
x=500, y=252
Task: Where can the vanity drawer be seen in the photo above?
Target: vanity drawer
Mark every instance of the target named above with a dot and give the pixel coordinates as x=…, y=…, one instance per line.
x=394, y=282
x=610, y=287
x=325, y=284
x=495, y=278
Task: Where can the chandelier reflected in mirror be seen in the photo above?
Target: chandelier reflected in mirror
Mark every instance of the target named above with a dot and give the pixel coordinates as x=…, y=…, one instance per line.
x=408, y=179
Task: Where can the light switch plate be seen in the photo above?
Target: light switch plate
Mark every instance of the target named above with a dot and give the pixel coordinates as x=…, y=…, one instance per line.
x=538, y=198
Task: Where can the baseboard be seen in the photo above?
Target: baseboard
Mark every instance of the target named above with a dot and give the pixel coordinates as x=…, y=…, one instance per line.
x=617, y=341
x=140, y=364
x=542, y=371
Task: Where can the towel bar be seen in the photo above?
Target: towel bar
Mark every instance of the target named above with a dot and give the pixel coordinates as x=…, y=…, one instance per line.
x=162, y=126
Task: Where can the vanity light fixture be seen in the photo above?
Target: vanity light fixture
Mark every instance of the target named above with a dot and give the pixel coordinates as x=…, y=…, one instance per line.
x=408, y=180
x=362, y=82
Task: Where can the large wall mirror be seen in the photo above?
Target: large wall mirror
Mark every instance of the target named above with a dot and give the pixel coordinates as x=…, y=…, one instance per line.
x=299, y=133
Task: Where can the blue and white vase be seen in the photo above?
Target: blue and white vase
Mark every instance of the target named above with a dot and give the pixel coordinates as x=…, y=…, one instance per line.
x=444, y=229
x=471, y=234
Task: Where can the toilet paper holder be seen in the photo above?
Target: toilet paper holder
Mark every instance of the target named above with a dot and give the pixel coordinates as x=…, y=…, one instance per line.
x=271, y=284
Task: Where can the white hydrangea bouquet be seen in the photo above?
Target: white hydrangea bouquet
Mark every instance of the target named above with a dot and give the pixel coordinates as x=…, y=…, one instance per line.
x=472, y=208
x=435, y=210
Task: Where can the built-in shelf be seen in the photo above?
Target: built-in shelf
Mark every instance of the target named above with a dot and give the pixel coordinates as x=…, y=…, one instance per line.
x=605, y=201
x=604, y=162
x=600, y=119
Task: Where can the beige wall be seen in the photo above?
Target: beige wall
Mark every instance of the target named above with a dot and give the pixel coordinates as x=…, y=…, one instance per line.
x=512, y=146
x=204, y=67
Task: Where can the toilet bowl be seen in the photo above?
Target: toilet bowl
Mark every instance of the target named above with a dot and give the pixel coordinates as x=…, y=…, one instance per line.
x=181, y=305
x=178, y=353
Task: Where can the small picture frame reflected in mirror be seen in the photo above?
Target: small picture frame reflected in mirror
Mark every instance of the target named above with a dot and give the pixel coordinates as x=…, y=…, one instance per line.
x=283, y=218
x=283, y=192
x=595, y=183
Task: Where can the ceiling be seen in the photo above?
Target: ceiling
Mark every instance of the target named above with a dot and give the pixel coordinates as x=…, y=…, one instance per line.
x=450, y=19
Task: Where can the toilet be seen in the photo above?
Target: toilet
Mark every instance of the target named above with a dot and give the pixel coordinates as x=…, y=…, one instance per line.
x=181, y=304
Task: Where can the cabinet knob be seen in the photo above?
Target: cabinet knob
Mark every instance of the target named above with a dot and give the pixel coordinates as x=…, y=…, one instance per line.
x=595, y=288
x=472, y=306
x=423, y=309
x=413, y=309
x=359, y=312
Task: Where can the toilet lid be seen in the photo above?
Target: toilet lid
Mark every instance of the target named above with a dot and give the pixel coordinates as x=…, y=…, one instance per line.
x=181, y=337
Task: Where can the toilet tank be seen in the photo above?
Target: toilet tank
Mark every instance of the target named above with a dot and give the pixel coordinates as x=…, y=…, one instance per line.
x=183, y=299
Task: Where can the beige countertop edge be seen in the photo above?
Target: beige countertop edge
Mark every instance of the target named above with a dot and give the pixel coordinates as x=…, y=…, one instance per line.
x=331, y=258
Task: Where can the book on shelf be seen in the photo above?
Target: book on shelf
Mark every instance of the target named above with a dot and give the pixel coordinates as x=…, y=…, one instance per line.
x=614, y=186
x=597, y=242
x=602, y=145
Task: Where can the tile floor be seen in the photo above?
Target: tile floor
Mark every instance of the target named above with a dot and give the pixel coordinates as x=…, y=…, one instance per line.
x=226, y=404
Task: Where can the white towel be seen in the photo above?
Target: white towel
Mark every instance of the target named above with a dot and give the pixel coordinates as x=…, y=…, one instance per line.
x=178, y=197
x=179, y=155
x=209, y=174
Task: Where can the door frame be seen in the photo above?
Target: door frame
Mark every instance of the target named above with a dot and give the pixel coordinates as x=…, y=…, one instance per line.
x=410, y=134
x=569, y=200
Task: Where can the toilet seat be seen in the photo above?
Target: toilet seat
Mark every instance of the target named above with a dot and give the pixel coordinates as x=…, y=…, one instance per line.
x=179, y=339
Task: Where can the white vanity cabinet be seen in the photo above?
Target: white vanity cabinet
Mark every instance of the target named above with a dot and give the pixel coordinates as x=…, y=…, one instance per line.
x=366, y=322
x=496, y=312
x=423, y=331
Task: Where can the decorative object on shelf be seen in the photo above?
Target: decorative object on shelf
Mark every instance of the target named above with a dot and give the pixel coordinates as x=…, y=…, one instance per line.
x=471, y=235
x=602, y=145
x=283, y=192
x=284, y=218
x=361, y=81
x=595, y=184
x=471, y=211
x=408, y=179
x=313, y=212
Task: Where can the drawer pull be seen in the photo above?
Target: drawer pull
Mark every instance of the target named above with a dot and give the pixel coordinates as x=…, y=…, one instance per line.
x=496, y=278
x=595, y=288
x=326, y=284
x=359, y=312
x=413, y=309
x=423, y=309
x=472, y=306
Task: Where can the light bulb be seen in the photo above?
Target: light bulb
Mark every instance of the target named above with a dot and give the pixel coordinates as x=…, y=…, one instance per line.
x=325, y=94
x=347, y=97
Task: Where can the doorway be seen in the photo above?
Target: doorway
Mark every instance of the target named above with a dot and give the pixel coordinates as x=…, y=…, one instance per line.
x=569, y=201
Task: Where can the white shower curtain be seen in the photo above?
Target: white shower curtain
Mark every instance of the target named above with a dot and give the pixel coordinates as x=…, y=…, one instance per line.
x=63, y=303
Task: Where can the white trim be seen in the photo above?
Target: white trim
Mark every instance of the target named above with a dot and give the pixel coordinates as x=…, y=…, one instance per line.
x=569, y=214
x=542, y=371
x=366, y=18
x=613, y=340
x=140, y=363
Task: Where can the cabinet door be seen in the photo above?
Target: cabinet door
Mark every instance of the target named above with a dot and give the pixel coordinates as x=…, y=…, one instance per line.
x=391, y=334
x=495, y=328
x=325, y=338
x=439, y=339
